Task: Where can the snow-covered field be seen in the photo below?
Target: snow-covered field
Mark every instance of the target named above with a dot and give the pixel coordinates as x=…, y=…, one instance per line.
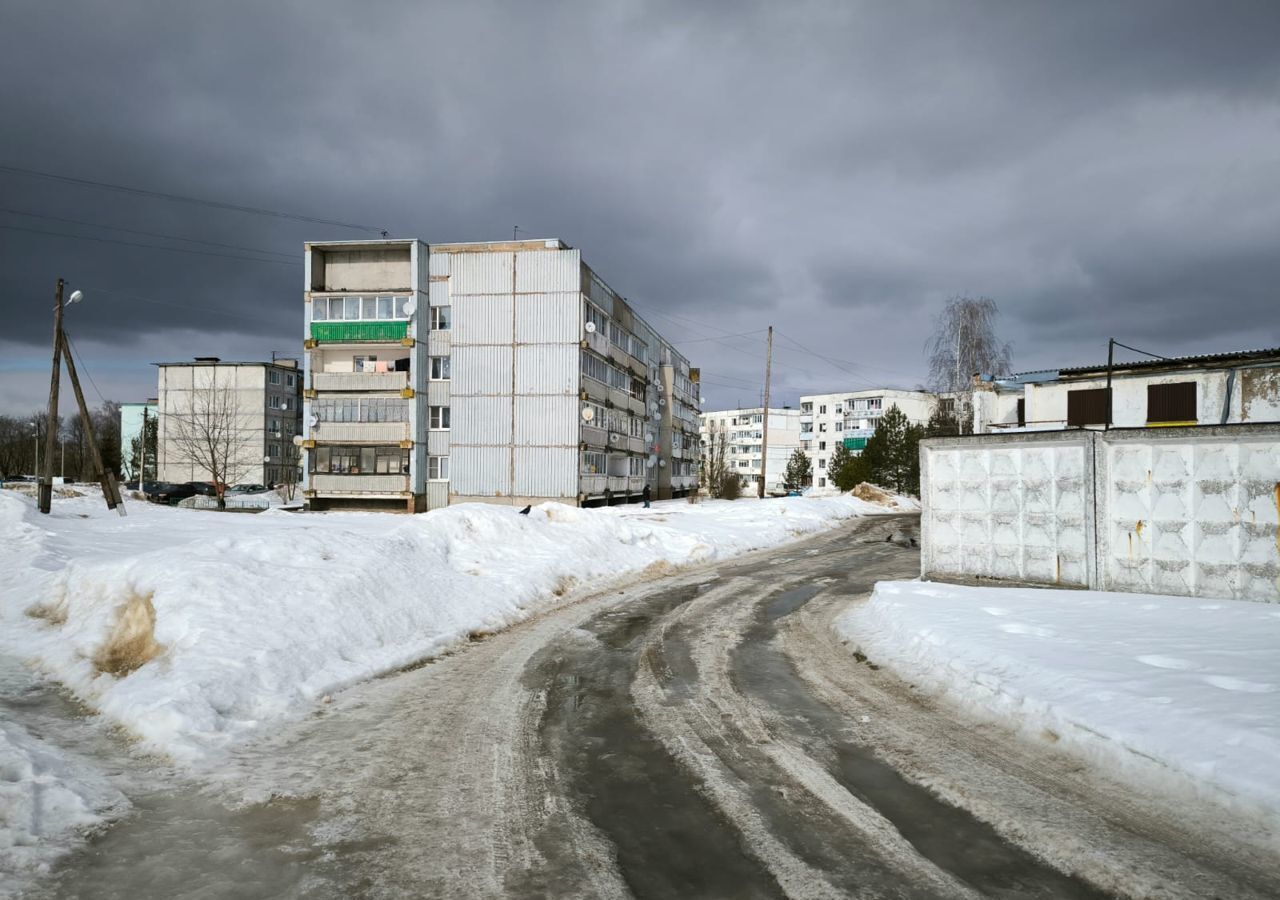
x=1179, y=692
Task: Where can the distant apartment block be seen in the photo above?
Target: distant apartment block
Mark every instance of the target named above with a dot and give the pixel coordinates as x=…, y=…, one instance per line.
x=503, y=372
x=259, y=403
x=850, y=418
x=744, y=437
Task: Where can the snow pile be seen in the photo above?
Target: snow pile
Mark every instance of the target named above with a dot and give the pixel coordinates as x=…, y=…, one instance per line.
x=48, y=801
x=1162, y=685
x=192, y=629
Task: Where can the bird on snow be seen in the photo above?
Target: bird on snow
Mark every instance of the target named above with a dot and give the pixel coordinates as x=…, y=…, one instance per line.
x=525, y=511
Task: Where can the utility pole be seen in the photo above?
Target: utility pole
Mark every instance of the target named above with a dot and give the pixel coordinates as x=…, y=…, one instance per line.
x=1111, y=350
x=142, y=467
x=110, y=492
x=45, y=489
x=764, y=442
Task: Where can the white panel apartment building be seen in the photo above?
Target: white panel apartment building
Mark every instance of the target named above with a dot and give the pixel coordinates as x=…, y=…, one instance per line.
x=744, y=430
x=850, y=418
x=503, y=372
x=257, y=402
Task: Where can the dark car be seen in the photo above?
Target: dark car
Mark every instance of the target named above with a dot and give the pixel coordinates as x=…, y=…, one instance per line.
x=204, y=488
x=246, y=489
x=172, y=493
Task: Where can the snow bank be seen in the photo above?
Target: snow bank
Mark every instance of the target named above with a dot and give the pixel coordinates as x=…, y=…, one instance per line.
x=48, y=800
x=192, y=629
x=1162, y=685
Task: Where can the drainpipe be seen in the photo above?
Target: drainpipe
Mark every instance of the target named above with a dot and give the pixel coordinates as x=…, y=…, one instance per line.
x=1226, y=401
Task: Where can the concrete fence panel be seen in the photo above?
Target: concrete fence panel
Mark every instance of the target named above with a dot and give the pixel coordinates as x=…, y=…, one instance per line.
x=1184, y=511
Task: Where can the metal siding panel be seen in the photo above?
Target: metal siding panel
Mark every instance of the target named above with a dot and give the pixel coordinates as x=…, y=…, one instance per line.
x=480, y=471
x=548, y=421
x=546, y=472
x=482, y=319
x=438, y=393
x=548, y=271
x=481, y=370
x=481, y=273
x=437, y=494
x=480, y=420
x=549, y=318
x=547, y=369
x=360, y=484
x=438, y=264
x=375, y=432
x=438, y=443
x=439, y=343
x=438, y=293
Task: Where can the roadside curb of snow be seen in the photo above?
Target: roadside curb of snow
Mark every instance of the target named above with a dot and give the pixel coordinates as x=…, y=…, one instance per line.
x=979, y=693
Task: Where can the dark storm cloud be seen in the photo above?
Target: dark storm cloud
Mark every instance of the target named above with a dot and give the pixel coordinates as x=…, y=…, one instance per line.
x=835, y=169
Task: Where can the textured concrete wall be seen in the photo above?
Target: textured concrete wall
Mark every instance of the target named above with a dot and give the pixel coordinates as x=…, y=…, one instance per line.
x=1185, y=511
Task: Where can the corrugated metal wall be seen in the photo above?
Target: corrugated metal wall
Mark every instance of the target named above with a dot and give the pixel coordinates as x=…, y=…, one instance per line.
x=480, y=471
x=548, y=369
x=549, y=319
x=482, y=319
x=542, y=272
x=487, y=421
x=481, y=369
x=482, y=273
x=546, y=472
x=552, y=421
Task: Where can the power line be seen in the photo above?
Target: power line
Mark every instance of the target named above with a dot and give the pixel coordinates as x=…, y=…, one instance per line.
x=102, y=240
x=703, y=339
x=80, y=356
x=155, y=234
x=1136, y=350
x=180, y=198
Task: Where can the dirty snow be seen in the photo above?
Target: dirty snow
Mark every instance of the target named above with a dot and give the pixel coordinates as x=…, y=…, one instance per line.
x=1167, y=689
x=194, y=629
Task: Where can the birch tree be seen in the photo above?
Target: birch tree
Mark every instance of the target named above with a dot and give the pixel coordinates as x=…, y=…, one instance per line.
x=964, y=342
x=212, y=434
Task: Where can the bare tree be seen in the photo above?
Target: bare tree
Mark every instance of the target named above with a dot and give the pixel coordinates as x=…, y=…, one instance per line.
x=291, y=457
x=964, y=342
x=715, y=465
x=213, y=435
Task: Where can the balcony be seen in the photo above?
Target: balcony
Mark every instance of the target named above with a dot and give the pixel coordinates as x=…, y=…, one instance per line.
x=359, y=381
x=359, y=332
x=375, y=432
x=360, y=484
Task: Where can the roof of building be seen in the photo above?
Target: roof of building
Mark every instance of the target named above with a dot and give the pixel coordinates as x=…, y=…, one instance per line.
x=1213, y=360
x=215, y=361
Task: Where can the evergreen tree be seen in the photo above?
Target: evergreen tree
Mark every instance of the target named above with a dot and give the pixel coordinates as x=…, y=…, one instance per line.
x=892, y=454
x=799, y=471
x=846, y=470
x=150, y=435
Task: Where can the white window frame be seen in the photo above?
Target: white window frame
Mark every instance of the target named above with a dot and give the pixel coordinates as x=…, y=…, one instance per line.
x=438, y=416
x=440, y=368
x=437, y=468
x=441, y=318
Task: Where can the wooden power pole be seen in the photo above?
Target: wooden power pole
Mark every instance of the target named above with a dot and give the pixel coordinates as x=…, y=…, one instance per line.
x=110, y=492
x=44, y=490
x=764, y=441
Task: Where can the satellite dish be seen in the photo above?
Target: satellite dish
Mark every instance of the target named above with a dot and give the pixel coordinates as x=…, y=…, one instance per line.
x=314, y=420
x=662, y=463
x=411, y=306
x=653, y=408
x=588, y=413
x=652, y=460
x=589, y=328
x=613, y=438
x=648, y=437
x=662, y=402
x=297, y=440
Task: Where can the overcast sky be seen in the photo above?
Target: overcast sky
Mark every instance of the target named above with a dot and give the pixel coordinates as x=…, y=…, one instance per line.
x=837, y=170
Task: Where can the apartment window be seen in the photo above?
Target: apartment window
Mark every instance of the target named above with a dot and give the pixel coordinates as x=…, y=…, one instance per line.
x=274, y=426
x=367, y=363
x=439, y=368
x=635, y=466
x=273, y=450
x=822, y=426
x=1171, y=403
x=345, y=460
x=757, y=420
x=822, y=464
x=273, y=376
x=806, y=407
x=597, y=318
x=822, y=482
x=822, y=410
x=438, y=467
x=593, y=462
x=1088, y=407
x=441, y=316
x=333, y=309
x=290, y=380
x=356, y=409
x=839, y=411
x=595, y=367
x=875, y=402
x=822, y=445
x=439, y=417
x=947, y=405
x=275, y=402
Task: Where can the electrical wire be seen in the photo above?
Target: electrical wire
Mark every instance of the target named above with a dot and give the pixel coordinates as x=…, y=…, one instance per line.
x=171, y=237
x=1136, y=350
x=181, y=198
x=102, y=240
x=83, y=368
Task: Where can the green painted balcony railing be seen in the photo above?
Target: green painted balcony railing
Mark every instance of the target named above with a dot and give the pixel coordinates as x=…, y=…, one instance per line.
x=359, y=331
x=855, y=443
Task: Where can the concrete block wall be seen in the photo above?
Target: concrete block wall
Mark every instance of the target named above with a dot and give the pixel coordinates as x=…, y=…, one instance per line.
x=1183, y=511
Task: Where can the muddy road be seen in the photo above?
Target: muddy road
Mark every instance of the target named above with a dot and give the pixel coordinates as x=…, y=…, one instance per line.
x=705, y=735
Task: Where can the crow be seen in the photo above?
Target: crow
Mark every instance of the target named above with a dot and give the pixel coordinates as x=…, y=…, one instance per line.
x=525, y=511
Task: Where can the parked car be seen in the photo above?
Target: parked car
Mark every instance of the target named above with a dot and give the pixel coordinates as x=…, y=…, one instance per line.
x=206, y=488
x=246, y=489
x=168, y=492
